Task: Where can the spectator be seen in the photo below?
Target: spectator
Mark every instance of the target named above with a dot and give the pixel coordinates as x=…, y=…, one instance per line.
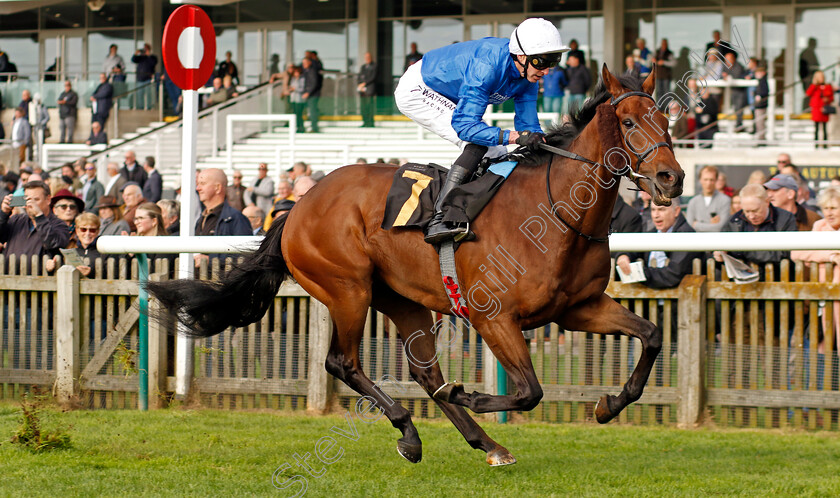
x=236, y=192
x=284, y=193
x=707, y=117
x=302, y=186
x=146, y=62
x=664, y=269
x=21, y=134
x=67, y=102
x=782, y=161
x=218, y=95
x=97, y=134
x=642, y=205
x=92, y=189
x=112, y=61
x=643, y=58
x=757, y=177
x=366, y=86
x=709, y=211
x=736, y=204
x=262, y=191
x=227, y=84
x=718, y=45
x=665, y=62
x=39, y=116
x=55, y=183
x=413, y=56
x=714, y=70
x=5, y=66
x=84, y=241
x=579, y=81
x=782, y=191
x=131, y=171
x=808, y=63
x=738, y=95
x=553, y=84
x=256, y=217
x=111, y=217
x=295, y=93
x=829, y=202
x=149, y=220
x=679, y=126
x=66, y=206
x=298, y=170
x=102, y=99
x=25, y=102
x=35, y=232
x=804, y=196
x=822, y=95
x=26, y=172
x=274, y=64
x=153, y=187
x=625, y=219
x=762, y=93
x=171, y=212
x=228, y=68
x=757, y=215
x=630, y=68
x=218, y=218
x=68, y=174
x=722, y=187
x=577, y=52
x=312, y=81
x=115, y=181
x=132, y=197
x=9, y=183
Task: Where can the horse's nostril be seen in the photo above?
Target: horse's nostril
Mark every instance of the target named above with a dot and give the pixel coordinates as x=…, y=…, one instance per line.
x=666, y=178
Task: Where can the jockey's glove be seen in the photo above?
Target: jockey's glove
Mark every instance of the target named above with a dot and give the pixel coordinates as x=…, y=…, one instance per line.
x=531, y=140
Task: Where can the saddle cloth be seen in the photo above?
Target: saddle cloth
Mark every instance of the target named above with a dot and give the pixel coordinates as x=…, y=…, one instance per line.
x=411, y=199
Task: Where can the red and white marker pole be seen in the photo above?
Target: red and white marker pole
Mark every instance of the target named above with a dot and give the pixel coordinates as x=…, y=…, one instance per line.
x=189, y=53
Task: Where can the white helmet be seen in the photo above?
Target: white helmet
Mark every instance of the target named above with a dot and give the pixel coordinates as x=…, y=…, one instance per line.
x=536, y=36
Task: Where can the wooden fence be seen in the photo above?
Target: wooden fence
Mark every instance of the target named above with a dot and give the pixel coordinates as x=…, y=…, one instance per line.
x=736, y=355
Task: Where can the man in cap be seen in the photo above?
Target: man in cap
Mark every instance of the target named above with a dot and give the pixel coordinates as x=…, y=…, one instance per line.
x=782, y=190
x=448, y=91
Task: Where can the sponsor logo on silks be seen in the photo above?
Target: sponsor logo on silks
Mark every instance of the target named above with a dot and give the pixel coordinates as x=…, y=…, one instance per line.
x=498, y=98
x=458, y=306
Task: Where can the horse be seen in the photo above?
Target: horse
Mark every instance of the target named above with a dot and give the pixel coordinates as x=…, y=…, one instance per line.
x=553, y=264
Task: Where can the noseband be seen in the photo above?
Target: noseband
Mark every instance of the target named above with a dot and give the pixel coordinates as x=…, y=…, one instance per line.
x=576, y=157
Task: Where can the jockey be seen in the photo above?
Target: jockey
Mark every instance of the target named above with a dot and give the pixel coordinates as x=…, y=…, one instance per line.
x=449, y=89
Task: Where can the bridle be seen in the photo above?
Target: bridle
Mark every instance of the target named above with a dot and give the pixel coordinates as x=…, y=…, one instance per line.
x=576, y=157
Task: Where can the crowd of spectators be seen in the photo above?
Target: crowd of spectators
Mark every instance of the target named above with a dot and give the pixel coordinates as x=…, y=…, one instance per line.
x=41, y=215
x=300, y=87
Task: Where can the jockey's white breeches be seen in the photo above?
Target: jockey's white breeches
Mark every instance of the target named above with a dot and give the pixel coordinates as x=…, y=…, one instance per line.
x=430, y=109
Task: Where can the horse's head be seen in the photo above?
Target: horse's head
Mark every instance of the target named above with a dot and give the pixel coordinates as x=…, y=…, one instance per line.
x=645, y=140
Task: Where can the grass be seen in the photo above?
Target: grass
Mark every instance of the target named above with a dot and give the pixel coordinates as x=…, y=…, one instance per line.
x=221, y=453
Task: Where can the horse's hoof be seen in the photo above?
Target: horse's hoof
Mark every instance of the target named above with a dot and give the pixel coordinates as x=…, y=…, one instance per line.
x=499, y=457
x=411, y=452
x=603, y=414
x=447, y=392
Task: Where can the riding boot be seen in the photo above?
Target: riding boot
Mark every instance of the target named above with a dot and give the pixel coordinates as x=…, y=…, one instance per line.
x=438, y=231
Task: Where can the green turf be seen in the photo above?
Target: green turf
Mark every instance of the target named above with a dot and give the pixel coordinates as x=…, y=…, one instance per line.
x=219, y=453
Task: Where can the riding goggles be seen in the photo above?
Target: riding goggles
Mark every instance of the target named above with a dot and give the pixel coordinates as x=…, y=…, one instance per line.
x=544, y=61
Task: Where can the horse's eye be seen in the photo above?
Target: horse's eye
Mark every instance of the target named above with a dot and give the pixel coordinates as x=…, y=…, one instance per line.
x=627, y=123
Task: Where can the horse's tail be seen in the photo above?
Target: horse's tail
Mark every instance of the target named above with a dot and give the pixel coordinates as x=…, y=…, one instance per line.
x=240, y=298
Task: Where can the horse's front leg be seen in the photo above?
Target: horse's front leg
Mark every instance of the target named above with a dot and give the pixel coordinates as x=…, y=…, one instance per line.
x=504, y=338
x=602, y=315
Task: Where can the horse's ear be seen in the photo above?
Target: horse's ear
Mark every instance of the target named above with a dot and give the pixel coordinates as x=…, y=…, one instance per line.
x=650, y=82
x=611, y=82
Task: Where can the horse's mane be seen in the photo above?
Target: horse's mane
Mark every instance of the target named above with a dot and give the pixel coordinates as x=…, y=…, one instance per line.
x=563, y=135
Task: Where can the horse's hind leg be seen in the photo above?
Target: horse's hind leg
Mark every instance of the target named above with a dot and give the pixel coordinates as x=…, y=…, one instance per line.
x=414, y=323
x=343, y=362
x=605, y=316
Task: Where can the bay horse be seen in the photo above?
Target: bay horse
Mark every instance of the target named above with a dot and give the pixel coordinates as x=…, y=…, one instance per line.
x=332, y=244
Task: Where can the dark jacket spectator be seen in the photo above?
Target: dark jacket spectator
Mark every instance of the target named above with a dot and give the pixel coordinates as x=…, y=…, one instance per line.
x=91, y=191
x=36, y=232
x=777, y=220
x=153, y=187
x=68, y=108
x=103, y=97
x=707, y=116
x=231, y=222
x=135, y=173
x=97, y=135
x=228, y=68
x=678, y=263
x=624, y=218
x=311, y=81
x=579, y=80
x=146, y=62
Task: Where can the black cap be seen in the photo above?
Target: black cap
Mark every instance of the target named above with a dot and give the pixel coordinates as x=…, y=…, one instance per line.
x=283, y=205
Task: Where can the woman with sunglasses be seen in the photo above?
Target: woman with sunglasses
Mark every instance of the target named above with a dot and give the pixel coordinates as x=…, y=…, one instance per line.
x=449, y=89
x=84, y=241
x=149, y=222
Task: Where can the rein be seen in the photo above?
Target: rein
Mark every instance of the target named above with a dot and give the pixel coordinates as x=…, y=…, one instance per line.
x=576, y=157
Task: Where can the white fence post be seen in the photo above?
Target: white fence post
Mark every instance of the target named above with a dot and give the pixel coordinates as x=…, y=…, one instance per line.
x=320, y=383
x=67, y=335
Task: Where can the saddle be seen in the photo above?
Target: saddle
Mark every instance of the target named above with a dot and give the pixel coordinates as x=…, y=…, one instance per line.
x=411, y=199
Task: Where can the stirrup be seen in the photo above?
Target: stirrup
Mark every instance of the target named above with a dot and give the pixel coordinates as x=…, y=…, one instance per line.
x=446, y=232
